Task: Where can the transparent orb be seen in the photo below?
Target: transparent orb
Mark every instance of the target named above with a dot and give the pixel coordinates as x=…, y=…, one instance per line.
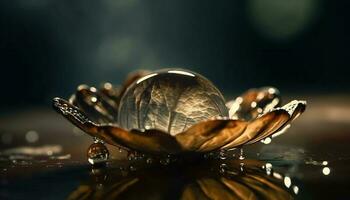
x=171, y=101
x=97, y=153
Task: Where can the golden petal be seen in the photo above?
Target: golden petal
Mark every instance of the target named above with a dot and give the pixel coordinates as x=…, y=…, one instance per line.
x=209, y=135
x=262, y=126
x=231, y=131
x=294, y=109
x=151, y=141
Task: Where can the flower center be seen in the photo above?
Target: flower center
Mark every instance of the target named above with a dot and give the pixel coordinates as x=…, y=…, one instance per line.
x=171, y=101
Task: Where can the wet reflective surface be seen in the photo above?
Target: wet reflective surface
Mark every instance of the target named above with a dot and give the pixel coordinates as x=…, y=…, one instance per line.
x=44, y=157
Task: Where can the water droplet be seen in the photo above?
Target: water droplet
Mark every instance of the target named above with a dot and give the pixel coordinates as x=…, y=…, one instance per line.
x=296, y=189
x=98, y=140
x=326, y=171
x=164, y=161
x=97, y=153
x=223, y=167
x=131, y=156
x=132, y=168
x=222, y=154
x=241, y=154
x=287, y=181
x=267, y=140
x=241, y=166
x=268, y=167
x=158, y=94
x=149, y=161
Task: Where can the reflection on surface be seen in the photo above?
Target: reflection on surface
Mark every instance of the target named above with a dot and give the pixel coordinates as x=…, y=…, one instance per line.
x=234, y=179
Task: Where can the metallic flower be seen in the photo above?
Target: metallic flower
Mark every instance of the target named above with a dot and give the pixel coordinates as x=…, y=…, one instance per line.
x=176, y=111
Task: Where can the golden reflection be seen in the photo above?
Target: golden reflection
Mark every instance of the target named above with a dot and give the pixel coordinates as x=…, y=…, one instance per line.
x=210, y=180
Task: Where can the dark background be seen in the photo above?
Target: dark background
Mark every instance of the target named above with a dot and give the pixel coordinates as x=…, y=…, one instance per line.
x=48, y=47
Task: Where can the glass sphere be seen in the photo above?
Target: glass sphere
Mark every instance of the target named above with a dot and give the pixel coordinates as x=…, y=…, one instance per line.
x=171, y=101
x=97, y=153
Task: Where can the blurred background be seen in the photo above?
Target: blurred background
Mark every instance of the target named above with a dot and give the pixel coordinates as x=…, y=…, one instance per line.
x=48, y=47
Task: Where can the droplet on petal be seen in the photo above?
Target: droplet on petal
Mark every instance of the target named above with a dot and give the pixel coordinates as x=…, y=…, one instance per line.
x=171, y=101
x=97, y=153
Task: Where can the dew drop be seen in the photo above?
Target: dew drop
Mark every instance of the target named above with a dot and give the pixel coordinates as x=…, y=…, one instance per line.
x=189, y=97
x=241, y=154
x=222, y=154
x=268, y=167
x=223, y=168
x=132, y=168
x=149, y=160
x=241, y=167
x=98, y=140
x=131, y=156
x=97, y=153
x=164, y=161
x=267, y=140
